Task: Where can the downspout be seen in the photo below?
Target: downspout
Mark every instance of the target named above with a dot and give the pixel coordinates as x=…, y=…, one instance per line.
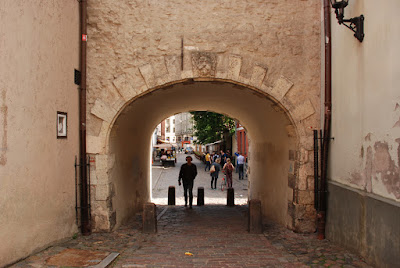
x=321, y=215
x=85, y=219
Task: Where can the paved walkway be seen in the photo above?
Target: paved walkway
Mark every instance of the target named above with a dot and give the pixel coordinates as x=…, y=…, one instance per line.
x=215, y=235
x=162, y=178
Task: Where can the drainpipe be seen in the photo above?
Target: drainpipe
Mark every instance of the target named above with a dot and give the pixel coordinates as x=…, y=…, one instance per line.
x=85, y=219
x=321, y=215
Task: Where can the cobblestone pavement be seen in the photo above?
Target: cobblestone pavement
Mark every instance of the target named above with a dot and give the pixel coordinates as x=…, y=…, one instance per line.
x=215, y=234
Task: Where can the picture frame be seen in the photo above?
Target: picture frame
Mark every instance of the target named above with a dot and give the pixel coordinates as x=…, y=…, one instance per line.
x=61, y=125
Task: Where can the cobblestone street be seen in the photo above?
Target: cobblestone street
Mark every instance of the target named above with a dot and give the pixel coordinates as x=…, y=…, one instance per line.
x=215, y=235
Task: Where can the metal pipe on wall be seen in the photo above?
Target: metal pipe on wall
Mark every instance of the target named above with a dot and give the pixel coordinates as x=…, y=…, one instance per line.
x=321, y=216
x=85, y=217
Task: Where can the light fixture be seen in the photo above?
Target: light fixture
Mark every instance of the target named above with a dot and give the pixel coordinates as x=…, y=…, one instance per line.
x=356, y=23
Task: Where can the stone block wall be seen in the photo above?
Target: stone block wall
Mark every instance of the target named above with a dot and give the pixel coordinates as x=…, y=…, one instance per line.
x=272, y=47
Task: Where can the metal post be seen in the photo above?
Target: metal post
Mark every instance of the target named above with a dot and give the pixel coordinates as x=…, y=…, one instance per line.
x=171, y=195
x=200, y=196
x=230, y=197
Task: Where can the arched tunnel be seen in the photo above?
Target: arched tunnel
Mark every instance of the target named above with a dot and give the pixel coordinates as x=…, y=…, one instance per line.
x=267, y=124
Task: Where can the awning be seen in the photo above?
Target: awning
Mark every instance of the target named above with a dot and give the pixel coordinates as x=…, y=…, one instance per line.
x=208, y=144
x=167, y=146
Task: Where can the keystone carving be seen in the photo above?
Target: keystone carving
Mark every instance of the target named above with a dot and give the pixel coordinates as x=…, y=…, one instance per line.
x=204, y=64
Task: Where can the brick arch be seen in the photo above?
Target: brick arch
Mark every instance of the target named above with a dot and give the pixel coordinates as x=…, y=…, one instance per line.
x=202, y=66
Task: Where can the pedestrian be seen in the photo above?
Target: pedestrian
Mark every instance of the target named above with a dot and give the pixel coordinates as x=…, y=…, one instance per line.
x=237, y=166
x=214, y=171
x=187, y=174
x=240, y=162
x=215, y=156
x=228, y=154
x=222, y=155
x=208, y=161
x=228, y=168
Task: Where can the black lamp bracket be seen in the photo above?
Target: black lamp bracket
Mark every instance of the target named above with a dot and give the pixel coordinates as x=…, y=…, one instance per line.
x=357, y=26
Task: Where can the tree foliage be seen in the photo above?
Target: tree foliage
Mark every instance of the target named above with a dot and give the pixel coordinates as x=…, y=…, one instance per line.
x=211, y=127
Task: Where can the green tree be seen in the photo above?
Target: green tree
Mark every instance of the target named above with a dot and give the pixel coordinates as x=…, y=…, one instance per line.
x=211, y=127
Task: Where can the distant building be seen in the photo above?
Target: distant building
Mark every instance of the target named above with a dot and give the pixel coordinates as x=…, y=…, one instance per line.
x=184, y=129
x=165, y=131
x=170, y=129
x=241, y=141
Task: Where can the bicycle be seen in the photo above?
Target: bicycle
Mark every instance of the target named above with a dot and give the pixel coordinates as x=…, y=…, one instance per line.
x=223, y=184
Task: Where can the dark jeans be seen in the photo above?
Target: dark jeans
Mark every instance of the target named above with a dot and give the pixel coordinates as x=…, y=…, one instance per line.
x=188, y=187
x=214, y=181
x=240, y=167
x=208, y=165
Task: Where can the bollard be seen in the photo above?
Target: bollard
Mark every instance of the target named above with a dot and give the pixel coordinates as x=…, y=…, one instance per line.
x=171, y=196
x=149, y=218
x=200, y=196
x=230, y=197
x=255, y=218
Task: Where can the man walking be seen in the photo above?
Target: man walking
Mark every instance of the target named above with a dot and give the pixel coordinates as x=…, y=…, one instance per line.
x=187, y=174
x=240, y=161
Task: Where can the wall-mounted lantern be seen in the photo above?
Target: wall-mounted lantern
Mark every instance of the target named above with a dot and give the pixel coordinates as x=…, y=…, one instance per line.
x=356, y=23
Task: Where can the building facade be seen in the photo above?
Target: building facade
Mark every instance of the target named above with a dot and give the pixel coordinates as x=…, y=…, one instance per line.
x=184, y=129
x=170, y=129
x=241, y=143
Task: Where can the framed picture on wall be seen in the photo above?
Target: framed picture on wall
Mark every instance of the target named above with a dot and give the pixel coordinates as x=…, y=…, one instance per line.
x=61, y=125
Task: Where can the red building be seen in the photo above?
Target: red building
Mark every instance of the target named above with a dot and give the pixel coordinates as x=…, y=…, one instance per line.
x=242, y=140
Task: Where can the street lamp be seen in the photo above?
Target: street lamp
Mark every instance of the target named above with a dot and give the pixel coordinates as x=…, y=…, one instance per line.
x=356, y=23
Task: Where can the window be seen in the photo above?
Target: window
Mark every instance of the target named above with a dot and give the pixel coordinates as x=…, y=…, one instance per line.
x=167, y=138
x=174, y=130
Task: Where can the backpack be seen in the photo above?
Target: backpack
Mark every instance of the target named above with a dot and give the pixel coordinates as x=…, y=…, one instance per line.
x=212, y=169
x=229, y=168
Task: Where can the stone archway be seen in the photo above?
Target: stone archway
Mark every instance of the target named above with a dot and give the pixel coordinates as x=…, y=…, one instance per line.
x=135, y=85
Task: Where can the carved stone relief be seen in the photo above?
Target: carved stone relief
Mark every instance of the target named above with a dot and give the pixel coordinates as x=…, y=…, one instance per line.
x=204, y=64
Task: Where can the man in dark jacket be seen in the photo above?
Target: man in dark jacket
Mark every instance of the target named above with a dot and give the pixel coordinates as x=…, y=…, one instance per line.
x=187, y=174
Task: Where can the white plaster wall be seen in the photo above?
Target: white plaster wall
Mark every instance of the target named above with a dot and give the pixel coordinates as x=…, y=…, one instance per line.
x=39, y=49
x=366, y=99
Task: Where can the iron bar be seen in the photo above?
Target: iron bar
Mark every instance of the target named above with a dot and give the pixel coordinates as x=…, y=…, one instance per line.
x=76, y=191
x=316, y=170
x=182, y=49
x=89, y=188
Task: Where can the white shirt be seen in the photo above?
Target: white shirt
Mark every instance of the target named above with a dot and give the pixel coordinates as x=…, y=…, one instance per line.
x=240, y=159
